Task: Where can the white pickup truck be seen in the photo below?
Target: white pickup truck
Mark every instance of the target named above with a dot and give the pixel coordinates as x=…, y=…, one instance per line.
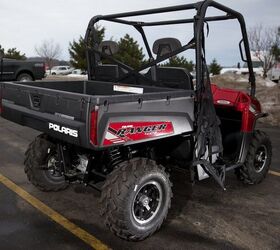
x=274, y=73
x=257, y=67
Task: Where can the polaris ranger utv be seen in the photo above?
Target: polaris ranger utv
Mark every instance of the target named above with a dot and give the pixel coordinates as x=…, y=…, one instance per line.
x=119, y=130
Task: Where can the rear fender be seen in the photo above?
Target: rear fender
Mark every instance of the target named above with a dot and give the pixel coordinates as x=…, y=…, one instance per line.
x=244, y=147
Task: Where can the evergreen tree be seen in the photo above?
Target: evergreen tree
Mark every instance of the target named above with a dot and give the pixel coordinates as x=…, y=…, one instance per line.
x=13, y=53
x=130, y=52
x=214, y=67
x=182, y=62
x=2, y=49
x=275, y=50
x=77, y=50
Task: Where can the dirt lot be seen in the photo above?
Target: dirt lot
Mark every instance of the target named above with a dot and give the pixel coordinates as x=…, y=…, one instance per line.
x=202, y=217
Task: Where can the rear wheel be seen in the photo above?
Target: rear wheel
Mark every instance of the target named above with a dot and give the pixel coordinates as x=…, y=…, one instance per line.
x=135, y=199
x=42, y=165
x=258, y=159
x=24, y=77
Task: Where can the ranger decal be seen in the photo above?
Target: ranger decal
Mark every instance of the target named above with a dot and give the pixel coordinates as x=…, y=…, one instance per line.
x=121, y=132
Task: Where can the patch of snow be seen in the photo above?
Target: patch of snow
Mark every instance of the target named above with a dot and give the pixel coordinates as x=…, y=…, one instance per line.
x=241, y=79
x=269, y=83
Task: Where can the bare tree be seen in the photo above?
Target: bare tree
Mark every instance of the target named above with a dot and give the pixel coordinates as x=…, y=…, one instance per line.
x=49, y=50
x=262, y=41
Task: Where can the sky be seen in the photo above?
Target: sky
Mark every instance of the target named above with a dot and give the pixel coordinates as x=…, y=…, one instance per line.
x=25, y=24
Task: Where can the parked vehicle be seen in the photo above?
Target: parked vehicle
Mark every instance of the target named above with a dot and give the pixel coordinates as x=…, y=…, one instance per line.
x=21, y=70
x=257, y=68
x=78, y=73
x=60, y=70
x=274, y=73
x=242, y=71
x=119, y=130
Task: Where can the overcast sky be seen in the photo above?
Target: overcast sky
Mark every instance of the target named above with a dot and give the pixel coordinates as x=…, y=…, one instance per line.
x=25, y=24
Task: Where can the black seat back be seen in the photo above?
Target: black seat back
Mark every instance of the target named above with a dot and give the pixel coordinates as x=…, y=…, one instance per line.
x=170, y=77
x=166, y=45
x=173, y=77
x=107, y=72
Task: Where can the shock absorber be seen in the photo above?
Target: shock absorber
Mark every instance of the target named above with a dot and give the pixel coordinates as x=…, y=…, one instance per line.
x=114, y=156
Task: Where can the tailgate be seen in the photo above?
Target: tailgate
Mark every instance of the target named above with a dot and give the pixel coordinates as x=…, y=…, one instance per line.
x=61, y=114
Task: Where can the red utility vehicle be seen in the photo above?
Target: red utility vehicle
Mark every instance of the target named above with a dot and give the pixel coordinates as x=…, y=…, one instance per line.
x=119, y=130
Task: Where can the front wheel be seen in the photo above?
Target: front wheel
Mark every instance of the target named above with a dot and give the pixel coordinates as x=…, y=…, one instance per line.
x=42, y=165
x=136, y=198
x=258, y=159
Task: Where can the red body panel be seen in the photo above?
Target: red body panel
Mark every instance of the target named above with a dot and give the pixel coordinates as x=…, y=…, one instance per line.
x=120, y=132
x=126, y=131
x=239, y=101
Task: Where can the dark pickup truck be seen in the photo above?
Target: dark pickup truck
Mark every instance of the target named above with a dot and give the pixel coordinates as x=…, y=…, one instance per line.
x=21, y=70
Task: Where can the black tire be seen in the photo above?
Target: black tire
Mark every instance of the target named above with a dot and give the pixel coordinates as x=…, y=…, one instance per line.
x=37, y=159
x=53, y=73
x=121, y=195
x=258, y=159
x=25, y=77
x=276, y=81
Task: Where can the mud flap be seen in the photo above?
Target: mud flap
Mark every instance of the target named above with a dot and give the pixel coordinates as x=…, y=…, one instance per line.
x=218, y=172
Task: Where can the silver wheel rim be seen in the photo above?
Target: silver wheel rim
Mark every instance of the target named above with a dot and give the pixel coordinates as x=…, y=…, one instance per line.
x=25, y=79
x=52, y=171
x=260, y=158
x=147, y=202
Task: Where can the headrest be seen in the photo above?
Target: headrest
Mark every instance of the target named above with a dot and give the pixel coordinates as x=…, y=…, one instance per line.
x=108, y=47
x=166, y=45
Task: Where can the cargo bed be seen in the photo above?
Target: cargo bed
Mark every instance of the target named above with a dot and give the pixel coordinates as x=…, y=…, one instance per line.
x=65, y=110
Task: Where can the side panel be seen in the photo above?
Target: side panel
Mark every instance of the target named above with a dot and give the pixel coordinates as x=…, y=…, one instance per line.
x=130, y=123
x=241, y=102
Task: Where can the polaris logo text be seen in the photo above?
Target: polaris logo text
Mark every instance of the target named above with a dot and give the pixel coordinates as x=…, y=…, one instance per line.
x=63, y=130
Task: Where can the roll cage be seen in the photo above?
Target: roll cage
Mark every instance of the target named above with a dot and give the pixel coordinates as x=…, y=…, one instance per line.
x=197, y=42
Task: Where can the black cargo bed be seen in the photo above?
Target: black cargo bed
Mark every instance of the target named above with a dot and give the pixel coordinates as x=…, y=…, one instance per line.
x=102, y=91
x=70, y=103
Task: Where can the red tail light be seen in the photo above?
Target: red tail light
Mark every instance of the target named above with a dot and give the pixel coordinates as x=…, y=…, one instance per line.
x=93, y=127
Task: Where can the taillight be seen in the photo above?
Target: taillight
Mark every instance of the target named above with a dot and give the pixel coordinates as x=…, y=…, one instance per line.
x=93, y=127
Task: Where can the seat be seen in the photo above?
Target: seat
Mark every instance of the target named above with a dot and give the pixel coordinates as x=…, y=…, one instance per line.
x=173, y=77
x=170, y=77
x=107, y=72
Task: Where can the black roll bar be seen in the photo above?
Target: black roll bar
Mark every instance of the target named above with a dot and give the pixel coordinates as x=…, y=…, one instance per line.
x=198, y=20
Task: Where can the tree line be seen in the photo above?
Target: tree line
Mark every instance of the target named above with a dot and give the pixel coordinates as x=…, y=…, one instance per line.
x=129, y=53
